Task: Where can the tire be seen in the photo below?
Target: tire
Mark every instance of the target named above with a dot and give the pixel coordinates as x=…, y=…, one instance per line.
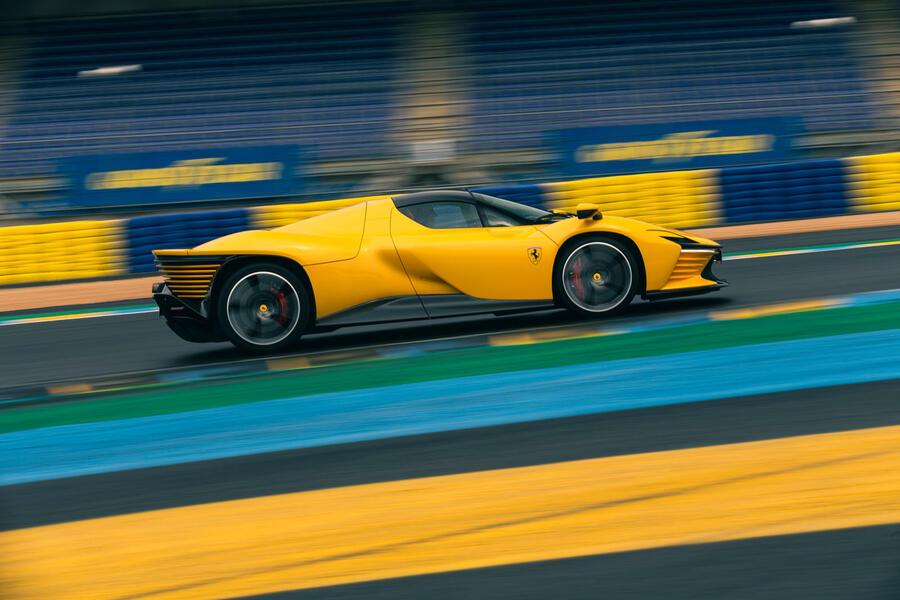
x=263, y=307
x=595, y=275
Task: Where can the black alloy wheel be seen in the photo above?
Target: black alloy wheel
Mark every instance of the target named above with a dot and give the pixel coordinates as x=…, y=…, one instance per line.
x=263, y=308
x=595, y=275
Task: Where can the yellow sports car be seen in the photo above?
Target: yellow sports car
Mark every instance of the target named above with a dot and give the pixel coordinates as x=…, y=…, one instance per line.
x=418, y=256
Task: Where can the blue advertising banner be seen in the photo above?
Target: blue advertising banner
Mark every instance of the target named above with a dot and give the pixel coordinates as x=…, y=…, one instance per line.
x=183, y=176
x=672, y=146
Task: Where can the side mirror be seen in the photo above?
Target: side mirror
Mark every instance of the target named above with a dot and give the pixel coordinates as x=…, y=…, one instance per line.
x=587, y=211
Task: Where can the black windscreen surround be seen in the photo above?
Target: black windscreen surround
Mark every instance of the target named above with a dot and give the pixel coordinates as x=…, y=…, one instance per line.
x=433, y=196
x=527, y=214
x=496, y=218
x=450, y=214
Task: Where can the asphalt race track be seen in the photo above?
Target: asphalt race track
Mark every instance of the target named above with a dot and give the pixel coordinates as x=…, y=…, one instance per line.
x=60, y=351
x=858, y=561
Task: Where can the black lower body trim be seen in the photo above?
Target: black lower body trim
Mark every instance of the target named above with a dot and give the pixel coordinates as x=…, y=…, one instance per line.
x=383, y=310
x=452, y=305
x=194, y=330
x=409, y=308
x=189, y=322
x=665, y=294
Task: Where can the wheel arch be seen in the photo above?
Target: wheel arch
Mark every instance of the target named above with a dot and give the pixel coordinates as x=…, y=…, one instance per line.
x=233, y=263
x=624, y=239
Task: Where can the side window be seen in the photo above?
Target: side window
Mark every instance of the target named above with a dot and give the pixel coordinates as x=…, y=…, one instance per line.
x=443, y=215
x=495, y=218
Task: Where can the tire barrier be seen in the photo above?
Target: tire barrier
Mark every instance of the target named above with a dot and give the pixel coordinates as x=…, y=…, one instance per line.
x=178, y=230
x=62, y=251
x=266, y=217
x=90, y=249
x=783, y=191
x=874, y=182
x=674, y=199
x=532, y=195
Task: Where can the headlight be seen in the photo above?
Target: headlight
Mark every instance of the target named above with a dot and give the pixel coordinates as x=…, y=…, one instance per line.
x=689, y=244
x=681, y=241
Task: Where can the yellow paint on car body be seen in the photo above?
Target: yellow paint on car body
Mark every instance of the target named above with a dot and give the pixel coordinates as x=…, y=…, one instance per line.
x=372, y=251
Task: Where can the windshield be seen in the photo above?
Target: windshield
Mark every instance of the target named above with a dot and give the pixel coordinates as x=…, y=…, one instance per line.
x=528, y=214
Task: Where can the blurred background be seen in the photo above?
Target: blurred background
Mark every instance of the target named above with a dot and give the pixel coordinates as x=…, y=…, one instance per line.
x=356, y=98
x=120, y=109
x=738, y=445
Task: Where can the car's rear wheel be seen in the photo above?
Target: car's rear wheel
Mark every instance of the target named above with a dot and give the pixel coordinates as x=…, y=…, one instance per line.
x=263, y=308
x=595, y=275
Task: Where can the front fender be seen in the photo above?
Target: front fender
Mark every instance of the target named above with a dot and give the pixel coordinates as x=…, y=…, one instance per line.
x=659, y=255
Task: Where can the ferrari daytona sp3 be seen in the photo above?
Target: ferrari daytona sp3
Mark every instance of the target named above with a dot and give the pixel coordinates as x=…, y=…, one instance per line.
x=418, y=256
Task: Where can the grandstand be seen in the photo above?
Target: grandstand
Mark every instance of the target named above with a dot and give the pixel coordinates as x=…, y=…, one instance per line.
x=317, y=76
x=539, y=66
x=336, y=79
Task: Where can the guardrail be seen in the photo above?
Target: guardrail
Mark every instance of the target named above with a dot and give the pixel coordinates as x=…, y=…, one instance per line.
x=89, y=249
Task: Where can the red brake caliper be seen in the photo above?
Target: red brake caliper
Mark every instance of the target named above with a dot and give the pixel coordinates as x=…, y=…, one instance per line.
x=282, y=303
x=576, y=278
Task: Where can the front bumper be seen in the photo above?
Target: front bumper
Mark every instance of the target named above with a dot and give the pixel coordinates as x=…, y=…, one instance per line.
x=715, y=282
x=692, y=291
x=189, y=322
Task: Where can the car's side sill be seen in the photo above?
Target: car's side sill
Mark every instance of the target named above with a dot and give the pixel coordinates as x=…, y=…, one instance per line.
x=408, y=308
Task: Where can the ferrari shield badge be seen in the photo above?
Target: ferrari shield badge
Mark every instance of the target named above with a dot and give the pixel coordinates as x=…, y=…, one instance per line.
x=534, y=254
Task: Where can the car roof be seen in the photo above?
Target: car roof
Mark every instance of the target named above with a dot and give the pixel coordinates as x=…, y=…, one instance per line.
x=433, y=196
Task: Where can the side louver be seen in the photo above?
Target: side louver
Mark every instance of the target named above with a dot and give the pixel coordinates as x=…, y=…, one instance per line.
x=690, y=264
x=189, y=277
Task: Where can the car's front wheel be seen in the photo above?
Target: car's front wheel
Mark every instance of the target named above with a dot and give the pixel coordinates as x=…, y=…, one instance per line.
x=263, y=308
x=595, y=275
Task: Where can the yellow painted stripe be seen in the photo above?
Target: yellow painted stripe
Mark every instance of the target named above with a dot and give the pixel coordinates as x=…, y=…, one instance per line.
x=291, y=362
x=772, y=309
x=536, y=337
x=47, y=318
x=512, y=339
x=791, y=252
x=400, y=528
x=70, y=388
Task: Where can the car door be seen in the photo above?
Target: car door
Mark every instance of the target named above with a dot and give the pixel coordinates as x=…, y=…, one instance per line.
x=446, y=250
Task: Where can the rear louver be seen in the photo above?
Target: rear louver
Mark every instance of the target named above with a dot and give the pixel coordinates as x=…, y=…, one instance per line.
x=690, y=264
x=189, y=278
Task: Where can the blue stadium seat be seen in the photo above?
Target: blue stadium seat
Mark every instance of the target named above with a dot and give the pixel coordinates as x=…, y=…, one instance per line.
x=539, y=65
x=319, y=76
x=324, y=75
